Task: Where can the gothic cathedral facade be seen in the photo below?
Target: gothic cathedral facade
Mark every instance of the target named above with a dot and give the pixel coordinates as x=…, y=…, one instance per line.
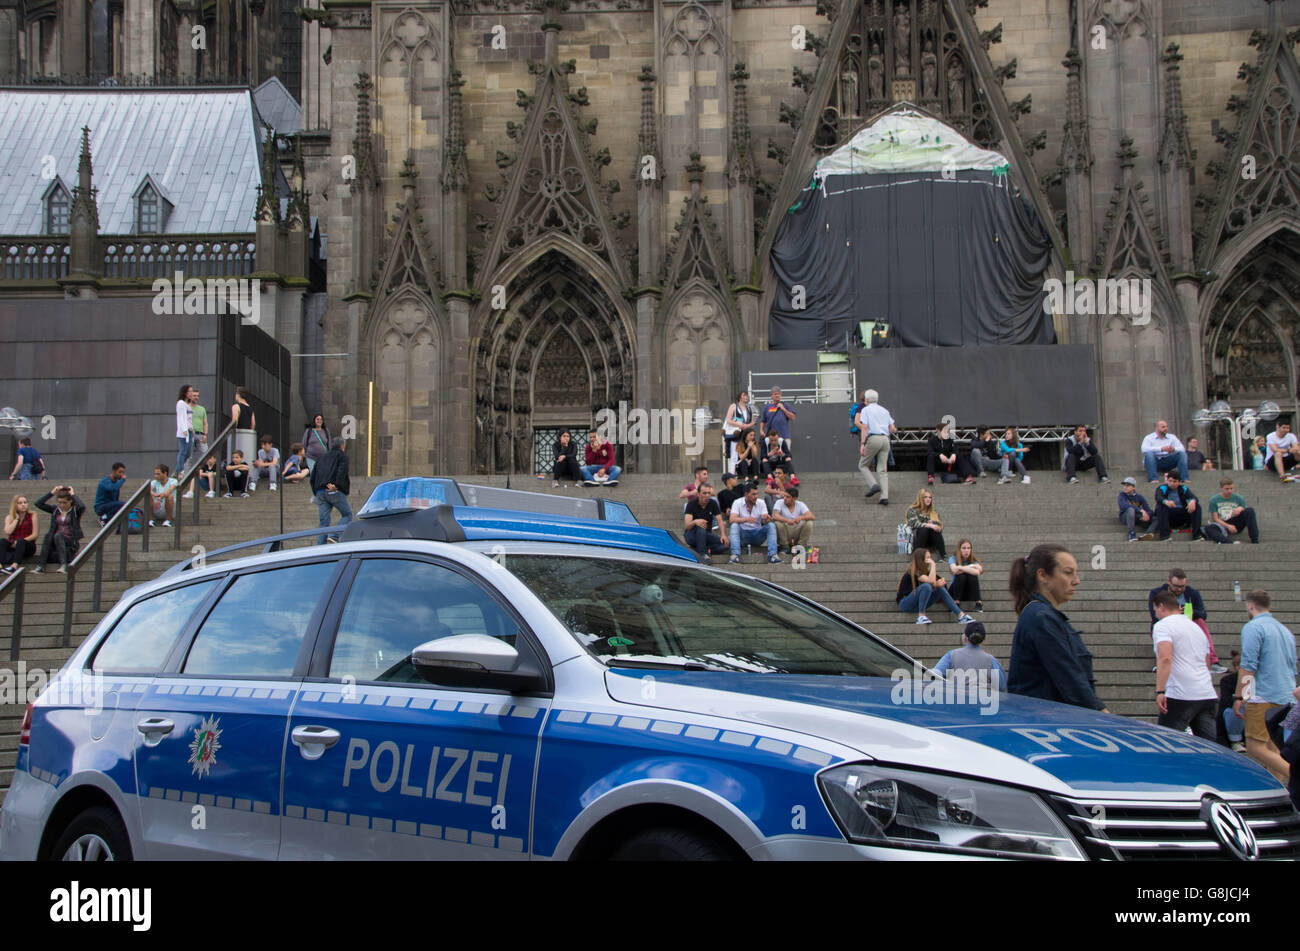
x=536, y=209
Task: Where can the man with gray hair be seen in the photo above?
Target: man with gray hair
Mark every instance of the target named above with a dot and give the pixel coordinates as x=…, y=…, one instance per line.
x=875, y=425
x=330, y=485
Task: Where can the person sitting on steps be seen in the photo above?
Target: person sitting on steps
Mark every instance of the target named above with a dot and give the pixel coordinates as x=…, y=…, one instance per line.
x=921, y=586
x=942, y=457
x=923, y=521
x=1013, y=454
x=966, y=570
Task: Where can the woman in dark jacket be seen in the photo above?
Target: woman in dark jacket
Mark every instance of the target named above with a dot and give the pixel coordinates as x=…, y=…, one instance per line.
x=566, y=466
x=1048, y=656
x=65, y=533
x=942, y=457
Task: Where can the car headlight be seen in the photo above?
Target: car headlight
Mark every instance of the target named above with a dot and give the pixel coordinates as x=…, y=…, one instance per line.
x=908, y=809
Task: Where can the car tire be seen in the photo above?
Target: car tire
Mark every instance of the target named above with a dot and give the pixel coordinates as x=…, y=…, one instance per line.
x=96, y=835
x=669, y=844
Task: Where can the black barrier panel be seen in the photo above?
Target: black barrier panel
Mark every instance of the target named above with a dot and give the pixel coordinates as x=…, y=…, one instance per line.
x=107, y=371
x=1022, y=386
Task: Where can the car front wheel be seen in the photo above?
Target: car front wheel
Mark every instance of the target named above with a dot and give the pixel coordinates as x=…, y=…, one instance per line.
x=667, y=844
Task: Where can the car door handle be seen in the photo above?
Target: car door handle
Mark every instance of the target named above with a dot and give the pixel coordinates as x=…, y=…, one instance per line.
x=313, y=741
x=154, y=729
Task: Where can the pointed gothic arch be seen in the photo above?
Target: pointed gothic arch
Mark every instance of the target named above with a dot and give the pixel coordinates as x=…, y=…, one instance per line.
x=405, y=350
x=555, y=293
x=1251, y=317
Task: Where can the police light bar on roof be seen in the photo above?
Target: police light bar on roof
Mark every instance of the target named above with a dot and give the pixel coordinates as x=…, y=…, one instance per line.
x=413, y=494
x=408, y=495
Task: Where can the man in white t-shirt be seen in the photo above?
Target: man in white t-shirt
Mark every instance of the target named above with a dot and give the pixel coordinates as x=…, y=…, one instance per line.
x=751, y=525
x=793, y=521
x=1162, y=451
x=874, y=428
x=1282, y=449
x=1185, y=694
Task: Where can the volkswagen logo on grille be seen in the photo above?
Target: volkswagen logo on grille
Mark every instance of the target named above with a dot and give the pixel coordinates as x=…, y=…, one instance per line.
x=1230, y=828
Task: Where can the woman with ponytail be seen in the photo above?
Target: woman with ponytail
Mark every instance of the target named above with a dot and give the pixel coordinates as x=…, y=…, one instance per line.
x=1048, y=656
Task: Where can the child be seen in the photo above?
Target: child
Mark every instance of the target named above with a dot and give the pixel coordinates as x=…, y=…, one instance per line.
x=208, y=476
x=237, y=475
x=162, y=495
x=296, y=469
x=1012, y=454
x=266, y=464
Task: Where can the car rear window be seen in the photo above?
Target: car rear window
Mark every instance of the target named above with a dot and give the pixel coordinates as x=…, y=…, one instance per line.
x=143, y=637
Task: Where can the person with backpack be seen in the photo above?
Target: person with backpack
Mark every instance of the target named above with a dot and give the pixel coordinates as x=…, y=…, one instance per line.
x=107, y=493
x=970, y=656
x=30, y=465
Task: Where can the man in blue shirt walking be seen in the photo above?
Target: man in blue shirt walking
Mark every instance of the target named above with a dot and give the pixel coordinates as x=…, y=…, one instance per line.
x=1267, y=679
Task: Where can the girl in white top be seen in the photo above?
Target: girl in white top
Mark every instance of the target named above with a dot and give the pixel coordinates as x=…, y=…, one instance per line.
x=184, y=427
x=739, y=420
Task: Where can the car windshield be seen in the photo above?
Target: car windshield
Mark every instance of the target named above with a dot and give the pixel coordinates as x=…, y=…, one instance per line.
x=634, y=614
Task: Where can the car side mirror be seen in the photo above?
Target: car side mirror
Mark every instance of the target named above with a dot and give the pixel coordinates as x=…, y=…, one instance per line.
x=476, y=660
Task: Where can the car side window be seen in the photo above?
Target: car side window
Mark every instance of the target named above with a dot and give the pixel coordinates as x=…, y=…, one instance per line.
x=143, y=637
x=257, y=627
x=395, y=605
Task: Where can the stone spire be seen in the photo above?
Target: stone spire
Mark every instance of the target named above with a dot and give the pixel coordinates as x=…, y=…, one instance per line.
x=1177, y=146
x=1075, y=152
x=454, y=175
x=85, y=208
x=362, y=150
x=268, y=198
x=741, y=161
x=647, y=141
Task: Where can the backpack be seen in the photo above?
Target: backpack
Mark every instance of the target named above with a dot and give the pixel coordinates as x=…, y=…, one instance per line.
x=853, y=415
x=38, y=465
x=135, y=521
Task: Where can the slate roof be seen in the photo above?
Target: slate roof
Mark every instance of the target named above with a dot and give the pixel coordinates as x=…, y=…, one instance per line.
x=201, y=147
x=277, y=106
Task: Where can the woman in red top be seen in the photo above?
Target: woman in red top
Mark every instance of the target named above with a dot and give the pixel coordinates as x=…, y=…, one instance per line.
x=21, y=529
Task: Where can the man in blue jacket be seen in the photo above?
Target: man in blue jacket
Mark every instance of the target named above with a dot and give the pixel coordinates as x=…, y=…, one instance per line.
x=1177, y=507
x=1134, y=511
x=107, y=501
x=1188, y=599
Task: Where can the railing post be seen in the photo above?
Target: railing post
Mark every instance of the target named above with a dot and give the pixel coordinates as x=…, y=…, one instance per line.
x=15, y=639
x=176, y=522
x=121, y=561
x=99, y=576
x=144, y=526
x=67, y=610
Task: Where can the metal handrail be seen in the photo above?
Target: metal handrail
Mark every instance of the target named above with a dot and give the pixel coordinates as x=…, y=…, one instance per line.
x=271, y=543
x=96, y=546
x=14, y=584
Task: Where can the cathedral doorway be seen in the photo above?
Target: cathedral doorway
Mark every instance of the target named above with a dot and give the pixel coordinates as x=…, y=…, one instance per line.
x=557, y=352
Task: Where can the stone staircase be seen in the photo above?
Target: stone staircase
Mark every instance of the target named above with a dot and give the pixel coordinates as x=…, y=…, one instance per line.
x=859, y=569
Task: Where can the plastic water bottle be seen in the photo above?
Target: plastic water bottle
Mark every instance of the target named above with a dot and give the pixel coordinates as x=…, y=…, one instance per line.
x=901, y=538
x=1236, y=591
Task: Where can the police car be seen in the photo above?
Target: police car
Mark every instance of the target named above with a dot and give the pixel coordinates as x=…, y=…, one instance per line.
x=457, y=681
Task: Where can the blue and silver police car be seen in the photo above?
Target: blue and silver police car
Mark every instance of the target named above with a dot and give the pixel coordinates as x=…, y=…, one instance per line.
x=458, y=681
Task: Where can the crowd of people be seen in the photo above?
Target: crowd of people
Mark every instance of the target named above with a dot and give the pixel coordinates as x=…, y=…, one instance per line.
x=318, y=460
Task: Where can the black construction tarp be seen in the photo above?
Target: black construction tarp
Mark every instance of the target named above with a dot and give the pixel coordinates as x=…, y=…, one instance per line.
x=947, y=262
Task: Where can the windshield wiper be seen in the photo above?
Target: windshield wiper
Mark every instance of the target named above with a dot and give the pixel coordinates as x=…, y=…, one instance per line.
x=663, y=662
